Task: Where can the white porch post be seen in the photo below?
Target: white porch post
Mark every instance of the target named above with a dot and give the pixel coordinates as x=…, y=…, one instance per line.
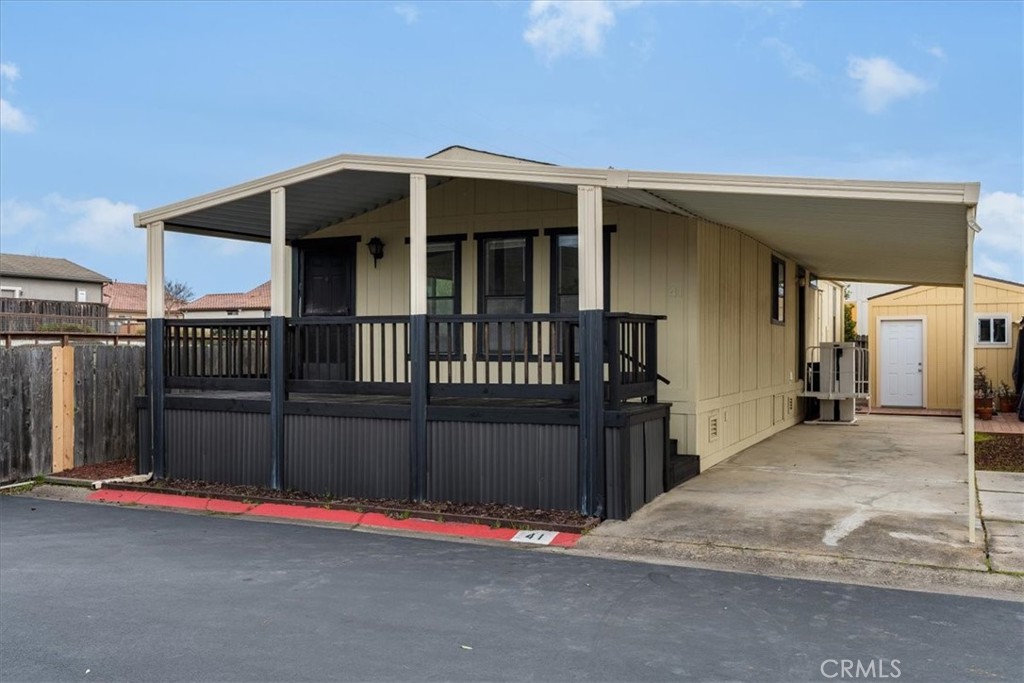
x=155, y=348
x=280, y=303
x=591, y=344
x=968, y=380
x=418, y=336
x=280, y=282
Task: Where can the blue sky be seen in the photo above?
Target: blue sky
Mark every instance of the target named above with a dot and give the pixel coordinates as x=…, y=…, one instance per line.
x=108, y=108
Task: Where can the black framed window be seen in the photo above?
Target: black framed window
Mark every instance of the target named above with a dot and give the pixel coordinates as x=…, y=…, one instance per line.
x=444, y=286
x=505, y=265
x=565, y=269
x=778, y=290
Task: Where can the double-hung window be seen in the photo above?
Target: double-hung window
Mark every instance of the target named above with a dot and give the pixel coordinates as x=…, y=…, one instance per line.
x=993, y=330
x=444, y=293
x=506, y=273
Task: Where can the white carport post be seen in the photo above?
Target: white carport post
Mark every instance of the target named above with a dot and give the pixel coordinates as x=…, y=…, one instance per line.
x=280, y=302
x=155, y=345
x=590, y=216
x=968, y=380
x=418, y=357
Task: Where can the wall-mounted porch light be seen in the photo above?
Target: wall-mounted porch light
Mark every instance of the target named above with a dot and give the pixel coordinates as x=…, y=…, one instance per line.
x=376, y=247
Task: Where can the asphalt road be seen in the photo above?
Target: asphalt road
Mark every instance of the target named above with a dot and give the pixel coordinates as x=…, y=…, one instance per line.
x=95, y=593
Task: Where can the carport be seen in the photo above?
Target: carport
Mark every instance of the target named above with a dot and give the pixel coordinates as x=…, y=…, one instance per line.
x=888, y=490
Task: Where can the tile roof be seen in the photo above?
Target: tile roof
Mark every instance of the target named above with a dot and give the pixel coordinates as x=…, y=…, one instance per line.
x=257, y=298
x=46, y=268
x=129, y=297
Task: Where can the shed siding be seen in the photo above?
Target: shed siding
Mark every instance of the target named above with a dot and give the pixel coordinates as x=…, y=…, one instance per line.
x=942, y=311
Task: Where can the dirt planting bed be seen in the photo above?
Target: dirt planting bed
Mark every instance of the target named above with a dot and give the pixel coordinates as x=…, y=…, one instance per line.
x=492, y=514
x=100, y=470
x=999, y=452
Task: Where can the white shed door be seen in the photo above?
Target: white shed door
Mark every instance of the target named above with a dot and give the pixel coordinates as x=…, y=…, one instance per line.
x=902, y=370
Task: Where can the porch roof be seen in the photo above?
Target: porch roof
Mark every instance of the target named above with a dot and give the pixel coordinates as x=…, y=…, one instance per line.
x=864, y=230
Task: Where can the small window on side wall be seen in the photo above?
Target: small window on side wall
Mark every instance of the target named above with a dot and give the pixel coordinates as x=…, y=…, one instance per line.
x=778, y=290
x=993, y=330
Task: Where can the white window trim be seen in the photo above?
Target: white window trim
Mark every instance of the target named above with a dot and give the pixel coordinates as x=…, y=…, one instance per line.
x=993, y=345
x=11, y=288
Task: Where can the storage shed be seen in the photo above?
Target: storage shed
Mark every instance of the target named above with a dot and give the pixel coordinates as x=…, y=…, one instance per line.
x=916, y=337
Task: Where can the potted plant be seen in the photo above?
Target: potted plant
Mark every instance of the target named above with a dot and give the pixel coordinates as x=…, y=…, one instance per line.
x=983, y=394
x=1007, y=398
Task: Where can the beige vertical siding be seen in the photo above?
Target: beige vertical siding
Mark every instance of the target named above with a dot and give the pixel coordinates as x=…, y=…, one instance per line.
x=942, y=311
x=748, y=364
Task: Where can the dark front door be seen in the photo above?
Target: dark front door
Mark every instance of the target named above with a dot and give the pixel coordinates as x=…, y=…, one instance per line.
x=327, y=271
x=328, y=279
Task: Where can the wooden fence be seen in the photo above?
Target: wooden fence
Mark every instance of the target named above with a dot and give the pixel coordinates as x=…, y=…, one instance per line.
x=65, y=406
x=29, y=315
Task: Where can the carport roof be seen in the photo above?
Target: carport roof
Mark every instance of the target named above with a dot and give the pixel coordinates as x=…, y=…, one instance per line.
x=864, y=230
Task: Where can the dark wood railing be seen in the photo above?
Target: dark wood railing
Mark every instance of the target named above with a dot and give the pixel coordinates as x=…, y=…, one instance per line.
x=503, y=356
x=349, y=355
x=217, y=354
x=632, y=342
x=531, y=356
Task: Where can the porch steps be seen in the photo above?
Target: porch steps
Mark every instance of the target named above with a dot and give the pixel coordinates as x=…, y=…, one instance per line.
x=680, y=467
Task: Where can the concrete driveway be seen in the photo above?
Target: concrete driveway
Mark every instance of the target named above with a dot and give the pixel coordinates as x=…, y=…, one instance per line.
x=890, y=490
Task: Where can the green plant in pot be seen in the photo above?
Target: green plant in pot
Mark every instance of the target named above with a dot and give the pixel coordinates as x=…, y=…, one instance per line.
x=1007, y=398
x=983, y=395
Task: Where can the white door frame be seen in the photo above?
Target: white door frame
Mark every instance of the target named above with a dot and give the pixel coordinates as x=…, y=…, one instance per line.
x=923, y=319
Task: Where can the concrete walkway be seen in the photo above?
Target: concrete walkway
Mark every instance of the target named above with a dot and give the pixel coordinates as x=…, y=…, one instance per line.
x=877, y=502
x=1001, y=497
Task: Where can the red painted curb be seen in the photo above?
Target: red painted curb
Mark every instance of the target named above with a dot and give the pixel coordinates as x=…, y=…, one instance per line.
x=318, y=514
x=283, y=511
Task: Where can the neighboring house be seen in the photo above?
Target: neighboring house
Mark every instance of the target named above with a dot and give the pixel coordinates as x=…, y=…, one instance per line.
x=126, y=300
x=859, y=293
x=916, y=341
x=50, y=279
x=475, y=328
x=252, y=304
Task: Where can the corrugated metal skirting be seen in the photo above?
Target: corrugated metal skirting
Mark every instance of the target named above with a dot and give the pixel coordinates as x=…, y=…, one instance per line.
x=529, y=465
x=347, y=456
x=646, y=454
x=223, y=447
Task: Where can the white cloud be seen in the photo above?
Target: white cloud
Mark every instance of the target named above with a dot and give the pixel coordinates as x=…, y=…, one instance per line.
x=11, y=118
x=936, y=51
x=999, y=247
x=16, y=216
x=561, y=27
x=408, y=11
x=98, y=225
x=797, y=67
x=881, y=82
x=9, y=72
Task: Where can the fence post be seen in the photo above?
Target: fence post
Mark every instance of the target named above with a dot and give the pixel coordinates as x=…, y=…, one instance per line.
x=63, y=408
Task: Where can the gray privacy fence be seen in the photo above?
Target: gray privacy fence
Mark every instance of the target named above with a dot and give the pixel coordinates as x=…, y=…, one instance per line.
x=66, y=406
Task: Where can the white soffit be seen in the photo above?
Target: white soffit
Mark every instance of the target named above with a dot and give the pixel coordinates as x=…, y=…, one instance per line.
x=839, y=229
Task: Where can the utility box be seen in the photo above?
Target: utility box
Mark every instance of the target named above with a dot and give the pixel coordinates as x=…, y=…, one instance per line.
x=836, y=375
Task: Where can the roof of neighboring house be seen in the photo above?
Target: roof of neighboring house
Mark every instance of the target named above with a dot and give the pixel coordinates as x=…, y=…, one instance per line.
x=257, y=298
x=976, y=277
x=125, y=296
x=46, y=268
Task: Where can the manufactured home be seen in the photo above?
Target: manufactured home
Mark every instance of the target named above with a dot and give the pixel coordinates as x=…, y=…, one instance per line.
x=916, y=341
x=480, y=328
